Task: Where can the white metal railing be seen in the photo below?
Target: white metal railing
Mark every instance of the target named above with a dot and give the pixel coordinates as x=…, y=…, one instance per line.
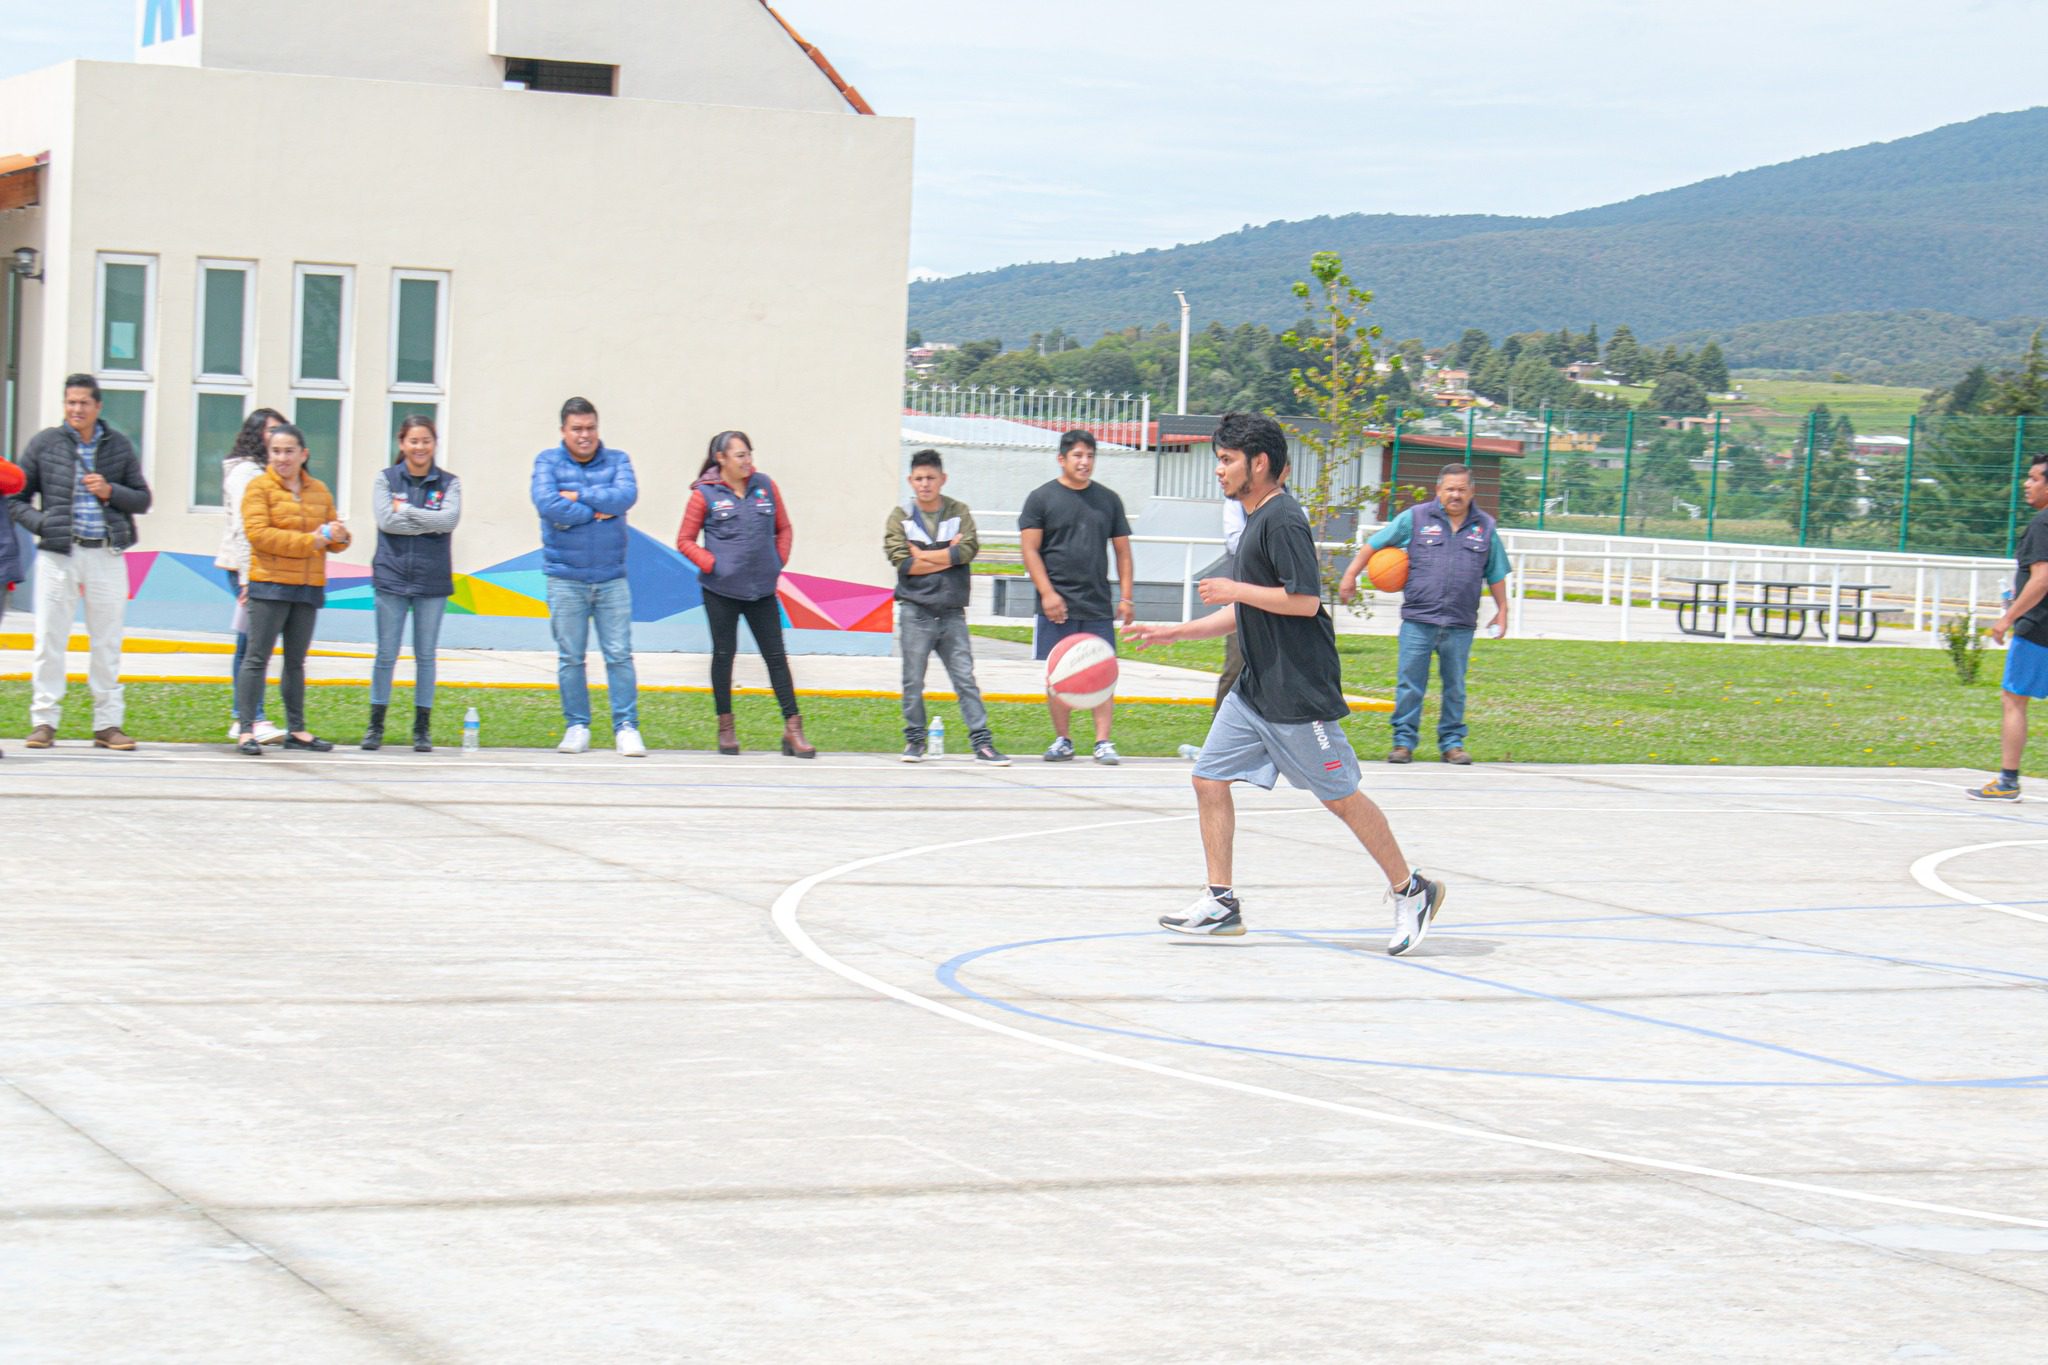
x=1626, y=573
x=987, y=415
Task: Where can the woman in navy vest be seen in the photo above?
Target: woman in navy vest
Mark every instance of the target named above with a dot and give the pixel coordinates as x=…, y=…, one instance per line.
x=746, y=536
x=417, y=505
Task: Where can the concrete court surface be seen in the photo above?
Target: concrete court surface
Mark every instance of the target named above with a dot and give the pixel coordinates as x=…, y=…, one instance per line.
x=527, y=1058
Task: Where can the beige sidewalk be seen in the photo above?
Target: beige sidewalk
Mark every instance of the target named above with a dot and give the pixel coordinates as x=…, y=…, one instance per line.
x=1005, y=670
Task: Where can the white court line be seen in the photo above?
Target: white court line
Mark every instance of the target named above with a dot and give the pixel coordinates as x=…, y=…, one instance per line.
x=1925, y=874
x=791, y=901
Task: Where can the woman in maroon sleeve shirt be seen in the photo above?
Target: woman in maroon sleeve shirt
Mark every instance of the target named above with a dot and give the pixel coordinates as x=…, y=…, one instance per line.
x=745, y=538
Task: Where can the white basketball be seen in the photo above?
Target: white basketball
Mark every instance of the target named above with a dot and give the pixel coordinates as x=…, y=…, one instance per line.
x=1081, y=671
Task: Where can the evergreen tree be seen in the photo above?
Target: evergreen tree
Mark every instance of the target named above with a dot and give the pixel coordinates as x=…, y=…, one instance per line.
x=1678, y=394
x=1625, y=356
x=1710, y=367
x=1470, y=352
x=1589, y=344
x=1831, y=493
x=1014, y=370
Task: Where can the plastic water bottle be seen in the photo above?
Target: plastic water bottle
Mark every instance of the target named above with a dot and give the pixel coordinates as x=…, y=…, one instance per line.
x=472, y=732
x=935, y=738
x=1191, y=752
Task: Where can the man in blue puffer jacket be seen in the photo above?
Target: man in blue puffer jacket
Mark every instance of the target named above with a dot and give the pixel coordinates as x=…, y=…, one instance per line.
x=583, y=489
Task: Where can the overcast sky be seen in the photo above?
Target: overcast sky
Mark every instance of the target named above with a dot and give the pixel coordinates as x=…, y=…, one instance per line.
x=1051, y=129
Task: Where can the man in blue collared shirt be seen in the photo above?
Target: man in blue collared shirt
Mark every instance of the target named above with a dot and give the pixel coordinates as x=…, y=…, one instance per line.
x=1454, y=551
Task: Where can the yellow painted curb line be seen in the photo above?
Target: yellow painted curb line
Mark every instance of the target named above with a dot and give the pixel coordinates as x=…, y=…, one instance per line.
x=79, y=644
x=843, y=693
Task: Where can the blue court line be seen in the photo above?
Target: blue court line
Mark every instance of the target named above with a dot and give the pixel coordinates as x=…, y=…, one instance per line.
x=1727, y=914
x=1984, y=812
x=1612, y=1013
x=948, y=975
x=1804, y=950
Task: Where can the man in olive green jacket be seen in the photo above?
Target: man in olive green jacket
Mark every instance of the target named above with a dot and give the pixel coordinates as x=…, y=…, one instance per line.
x=931, y=540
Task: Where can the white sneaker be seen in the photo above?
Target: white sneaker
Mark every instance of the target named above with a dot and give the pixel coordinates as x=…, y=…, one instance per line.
x=627, y=742
x=575, y=740
x=1413, y=911
x=266, y=733
x=234, y=731
x=1206, y=916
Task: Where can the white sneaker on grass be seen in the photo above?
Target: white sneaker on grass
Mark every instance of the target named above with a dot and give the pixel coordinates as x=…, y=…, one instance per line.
x=575, y=740
x=266, y=733
x=628, y=742
x=1415, y=905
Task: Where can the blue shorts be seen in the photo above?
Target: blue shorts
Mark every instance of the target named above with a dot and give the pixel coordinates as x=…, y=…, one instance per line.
x=2026, y=667
x=1244, y=746
x=1049, y=632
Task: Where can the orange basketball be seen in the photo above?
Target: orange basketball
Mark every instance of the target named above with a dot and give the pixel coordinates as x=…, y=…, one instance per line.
x=1388, y=569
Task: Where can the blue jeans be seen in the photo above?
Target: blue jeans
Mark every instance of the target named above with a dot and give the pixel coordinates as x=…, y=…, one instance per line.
x=241, y=648
x=572, y=608
x=1452, y=648
x=426, y=635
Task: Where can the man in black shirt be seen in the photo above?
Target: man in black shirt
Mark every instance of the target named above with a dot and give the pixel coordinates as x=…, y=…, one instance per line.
x=2026, y=621
x=1283, y=716
x=1067, y=529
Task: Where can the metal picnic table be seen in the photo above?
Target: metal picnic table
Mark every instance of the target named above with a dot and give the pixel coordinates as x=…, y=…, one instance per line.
x=1859, y=620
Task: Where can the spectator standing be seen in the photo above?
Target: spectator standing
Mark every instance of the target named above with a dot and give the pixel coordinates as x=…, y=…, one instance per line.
x=12, y=570
x=1068, y=528
x=737, y=531
x=2026, y=655
x=82, y=488
x=292, y=527
x=249, y=457
x=583, y=490
x=1454, y=554
x=931, y=540
x=417, y=506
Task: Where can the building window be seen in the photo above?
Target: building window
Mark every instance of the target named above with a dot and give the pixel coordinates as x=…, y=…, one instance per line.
x=225, y=332
x=418, y=379
x=322, y=344
x=124, y=346
x=563, y=78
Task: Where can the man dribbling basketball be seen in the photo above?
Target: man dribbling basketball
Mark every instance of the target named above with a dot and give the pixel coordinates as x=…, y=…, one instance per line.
x=1282, y=717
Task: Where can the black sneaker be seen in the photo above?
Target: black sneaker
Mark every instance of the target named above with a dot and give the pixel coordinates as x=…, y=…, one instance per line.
x=1207, y=916
x=987, y=752
x=315, y=745
x=913, y=751
x=250, y=747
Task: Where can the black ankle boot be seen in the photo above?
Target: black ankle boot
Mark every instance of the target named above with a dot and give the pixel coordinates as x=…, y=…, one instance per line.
x=373, y=738
x=423, y=729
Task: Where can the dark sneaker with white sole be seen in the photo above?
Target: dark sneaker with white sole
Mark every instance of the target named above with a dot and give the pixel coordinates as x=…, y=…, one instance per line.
x=1208, y=917
x=913, y=751
x=986, y=752
x=1060, y=751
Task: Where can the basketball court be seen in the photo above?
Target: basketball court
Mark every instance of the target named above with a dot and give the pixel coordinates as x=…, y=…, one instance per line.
x=520, y=1057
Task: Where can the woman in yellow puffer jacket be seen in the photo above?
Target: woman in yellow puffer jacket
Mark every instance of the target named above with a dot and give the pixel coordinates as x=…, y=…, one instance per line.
x=292, y=527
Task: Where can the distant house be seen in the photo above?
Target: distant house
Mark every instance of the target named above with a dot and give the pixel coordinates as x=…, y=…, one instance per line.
x=1454, y=381
x=1582, y=370
x=1880, y=445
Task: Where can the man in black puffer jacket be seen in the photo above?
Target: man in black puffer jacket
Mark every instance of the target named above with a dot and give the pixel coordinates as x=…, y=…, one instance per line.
x=83, y=489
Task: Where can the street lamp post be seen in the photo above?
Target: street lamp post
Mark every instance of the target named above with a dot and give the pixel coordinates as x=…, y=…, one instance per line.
x=1183, y=350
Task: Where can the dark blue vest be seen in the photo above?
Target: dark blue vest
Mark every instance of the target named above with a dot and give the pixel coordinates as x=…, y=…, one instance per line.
x=739, y=530
x=1446, y=568
x=415, y=566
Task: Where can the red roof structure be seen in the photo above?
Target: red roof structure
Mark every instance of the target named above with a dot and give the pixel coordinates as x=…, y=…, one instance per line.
x=851, y=95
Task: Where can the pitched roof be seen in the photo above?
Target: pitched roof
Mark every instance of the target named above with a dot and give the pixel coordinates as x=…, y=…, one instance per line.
x=851, y=95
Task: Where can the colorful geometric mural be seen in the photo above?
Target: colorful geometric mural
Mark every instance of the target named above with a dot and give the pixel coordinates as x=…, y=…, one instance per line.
x=165, y=21
x=505, y=606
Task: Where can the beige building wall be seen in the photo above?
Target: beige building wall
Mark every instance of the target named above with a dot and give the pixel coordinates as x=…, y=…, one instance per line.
x=35, y=116
x=687, y=267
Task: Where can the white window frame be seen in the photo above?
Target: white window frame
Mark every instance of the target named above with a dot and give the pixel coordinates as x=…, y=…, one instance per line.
x=222, y=383
x=436, y=393
x=146, y=343
x=141, y=381
x=342, y=388
x=300, y=271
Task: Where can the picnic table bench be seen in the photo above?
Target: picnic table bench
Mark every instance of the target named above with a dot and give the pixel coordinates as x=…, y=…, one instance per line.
x=1780, y=598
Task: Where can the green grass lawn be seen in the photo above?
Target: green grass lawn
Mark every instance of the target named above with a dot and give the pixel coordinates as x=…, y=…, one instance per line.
x=1531, y=700
x=1869, y=406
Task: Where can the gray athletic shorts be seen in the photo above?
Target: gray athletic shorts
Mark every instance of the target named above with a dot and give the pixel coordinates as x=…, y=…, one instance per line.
x=1243, y=746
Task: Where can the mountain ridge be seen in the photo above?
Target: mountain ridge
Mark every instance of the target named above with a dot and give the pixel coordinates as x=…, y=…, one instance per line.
x=1935, y=222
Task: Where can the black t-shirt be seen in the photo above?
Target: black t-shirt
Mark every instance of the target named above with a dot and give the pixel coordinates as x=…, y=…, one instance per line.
x=1078, y=524
x=2033, y=548
x=1291, y=676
